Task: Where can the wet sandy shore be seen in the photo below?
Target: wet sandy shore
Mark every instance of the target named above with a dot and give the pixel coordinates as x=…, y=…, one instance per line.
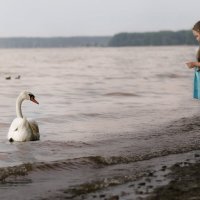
x=174, y=177
x=184, y=184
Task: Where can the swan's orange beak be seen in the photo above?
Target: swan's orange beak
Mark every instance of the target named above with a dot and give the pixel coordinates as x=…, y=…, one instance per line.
x=33, y=100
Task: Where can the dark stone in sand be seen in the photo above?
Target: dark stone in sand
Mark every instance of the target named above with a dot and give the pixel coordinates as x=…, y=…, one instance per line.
x=186, y=163
x=177, y=165
x=196, y=155
x=148, y=180
x=102, y=195
x=132, y=185
x=116, y=197
x=158, y=180
x=164, y=168
x=123, y=194
x=150, y=174
x=139, y=192
x=142, y=183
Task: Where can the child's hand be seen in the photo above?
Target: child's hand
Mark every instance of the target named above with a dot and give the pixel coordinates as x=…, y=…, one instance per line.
x=191, y=64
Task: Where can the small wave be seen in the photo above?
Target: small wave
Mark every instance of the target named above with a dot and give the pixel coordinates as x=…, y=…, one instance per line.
x=170, y=75
x=120, y=77
x=125, y=94
x=77, y=163
x=92, y=114
x=71, y=164
x=20, y=170
x=9, y=174
x=98, y=115
x=94, y=186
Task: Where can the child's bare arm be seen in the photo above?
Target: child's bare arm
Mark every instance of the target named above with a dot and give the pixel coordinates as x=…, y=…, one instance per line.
x=193, y=64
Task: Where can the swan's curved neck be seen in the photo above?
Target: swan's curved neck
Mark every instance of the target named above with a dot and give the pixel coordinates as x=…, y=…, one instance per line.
x=18, y=107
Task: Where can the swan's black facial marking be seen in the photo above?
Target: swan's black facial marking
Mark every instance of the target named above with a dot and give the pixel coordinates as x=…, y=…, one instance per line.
x=31, y=96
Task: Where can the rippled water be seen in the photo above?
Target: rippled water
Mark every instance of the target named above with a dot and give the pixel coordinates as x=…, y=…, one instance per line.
x=98, y=107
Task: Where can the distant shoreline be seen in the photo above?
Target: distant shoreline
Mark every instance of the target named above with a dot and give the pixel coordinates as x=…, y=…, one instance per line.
x=160, y=38
x=53, y=42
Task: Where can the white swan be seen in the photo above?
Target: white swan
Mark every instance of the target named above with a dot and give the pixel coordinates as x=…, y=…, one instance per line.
x=21, y=129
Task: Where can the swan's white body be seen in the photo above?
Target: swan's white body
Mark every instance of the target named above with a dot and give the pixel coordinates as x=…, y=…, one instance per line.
x=22, y=129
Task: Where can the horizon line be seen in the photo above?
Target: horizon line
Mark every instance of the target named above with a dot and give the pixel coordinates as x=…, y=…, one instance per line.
x=76, y=36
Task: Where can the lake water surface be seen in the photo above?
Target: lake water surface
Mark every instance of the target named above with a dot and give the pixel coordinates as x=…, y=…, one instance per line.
x=100, y=110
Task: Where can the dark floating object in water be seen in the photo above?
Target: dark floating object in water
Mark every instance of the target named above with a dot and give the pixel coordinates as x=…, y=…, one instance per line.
x=18, y=77
x=8, y=77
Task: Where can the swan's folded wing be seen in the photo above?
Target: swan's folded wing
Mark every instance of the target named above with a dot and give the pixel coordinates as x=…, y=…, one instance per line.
x=14, y=127
x=15, y=124
x=35, y=130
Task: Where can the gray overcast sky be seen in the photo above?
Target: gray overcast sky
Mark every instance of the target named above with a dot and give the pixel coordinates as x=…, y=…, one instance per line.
x=94, y=17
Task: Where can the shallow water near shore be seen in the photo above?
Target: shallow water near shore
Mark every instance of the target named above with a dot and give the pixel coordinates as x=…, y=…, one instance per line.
x=101, y=109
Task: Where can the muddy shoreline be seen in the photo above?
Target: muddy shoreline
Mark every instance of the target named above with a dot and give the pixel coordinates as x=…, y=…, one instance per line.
x=184, y=184
x=174, y=177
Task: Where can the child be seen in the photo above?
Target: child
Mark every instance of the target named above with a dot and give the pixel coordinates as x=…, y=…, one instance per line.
x=196, y=65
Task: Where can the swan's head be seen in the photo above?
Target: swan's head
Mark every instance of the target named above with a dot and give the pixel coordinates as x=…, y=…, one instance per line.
x=28, y=96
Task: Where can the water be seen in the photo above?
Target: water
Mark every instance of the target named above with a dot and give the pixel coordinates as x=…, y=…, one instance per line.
x=100, y=108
